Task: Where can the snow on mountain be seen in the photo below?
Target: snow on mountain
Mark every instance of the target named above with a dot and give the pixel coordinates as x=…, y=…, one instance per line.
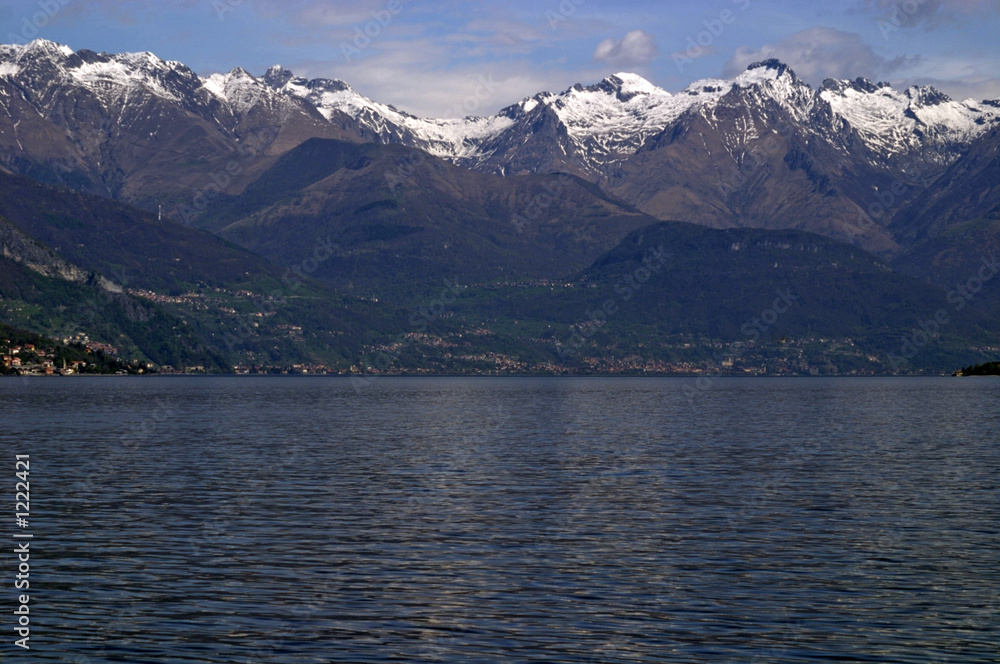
x=603, y=123
x=758, y=89
x=41, y=48
x=621, y=107
x=611, y=120
x=237, y=89
x=114, y=80
x=600, y=125
x=127, y=71
x=451, y=138
x=770, y=78
x=894, y=123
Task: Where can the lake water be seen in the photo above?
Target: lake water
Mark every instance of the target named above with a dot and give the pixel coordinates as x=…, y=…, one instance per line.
x=506, y=520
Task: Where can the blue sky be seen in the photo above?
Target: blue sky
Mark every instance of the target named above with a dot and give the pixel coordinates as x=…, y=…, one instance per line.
x=429, y=56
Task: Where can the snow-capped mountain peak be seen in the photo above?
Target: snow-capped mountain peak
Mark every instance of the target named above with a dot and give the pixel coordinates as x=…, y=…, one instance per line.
x=629, y=85
x=894, y=123
x=277, y=76
x=110, y=74
x=114, y=80
x=451, y=138
x=767, y=70
x=43, y=48
x=595, y=126
x=611, y=120
x=238, y=89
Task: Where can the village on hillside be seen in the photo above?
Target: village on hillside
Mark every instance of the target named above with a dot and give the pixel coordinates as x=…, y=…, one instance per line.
x=73, y=355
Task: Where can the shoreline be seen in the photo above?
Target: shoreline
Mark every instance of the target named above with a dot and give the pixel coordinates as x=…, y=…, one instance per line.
x=374, y=377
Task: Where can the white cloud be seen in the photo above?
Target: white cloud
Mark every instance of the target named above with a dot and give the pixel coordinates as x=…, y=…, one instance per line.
x=419, y=77
x=637, y=48
x=929, y=13
x=819, y=53
x=956, y=76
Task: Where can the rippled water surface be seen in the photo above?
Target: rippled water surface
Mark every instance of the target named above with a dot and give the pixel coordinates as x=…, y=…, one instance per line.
x=507, y=520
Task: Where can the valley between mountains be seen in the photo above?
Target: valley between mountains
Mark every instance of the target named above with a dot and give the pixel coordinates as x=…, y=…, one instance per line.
x=272, y=223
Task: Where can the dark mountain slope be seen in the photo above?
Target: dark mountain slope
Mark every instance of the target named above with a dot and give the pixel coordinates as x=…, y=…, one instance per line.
x=394, y=217
x=111, y=238
x=961, y=259
x=675, y=291
x=139, y=329
x=97, y=267
x=139, y=129
x=752, y=161
x=969, y=189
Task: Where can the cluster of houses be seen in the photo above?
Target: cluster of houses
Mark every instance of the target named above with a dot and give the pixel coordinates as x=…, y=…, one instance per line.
x=31, y=360
x=92, y=346
x=27, y=360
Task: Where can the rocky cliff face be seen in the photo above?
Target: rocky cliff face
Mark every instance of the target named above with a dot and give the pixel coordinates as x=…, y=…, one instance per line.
x=18, y=247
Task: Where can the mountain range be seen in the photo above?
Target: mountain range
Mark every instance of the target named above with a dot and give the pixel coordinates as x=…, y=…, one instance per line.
x=370, y=202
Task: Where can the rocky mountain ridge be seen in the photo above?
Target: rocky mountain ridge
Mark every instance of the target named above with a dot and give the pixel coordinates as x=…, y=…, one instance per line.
x=851, y=160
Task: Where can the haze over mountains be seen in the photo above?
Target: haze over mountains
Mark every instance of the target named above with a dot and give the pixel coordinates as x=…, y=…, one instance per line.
x=297, y=170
